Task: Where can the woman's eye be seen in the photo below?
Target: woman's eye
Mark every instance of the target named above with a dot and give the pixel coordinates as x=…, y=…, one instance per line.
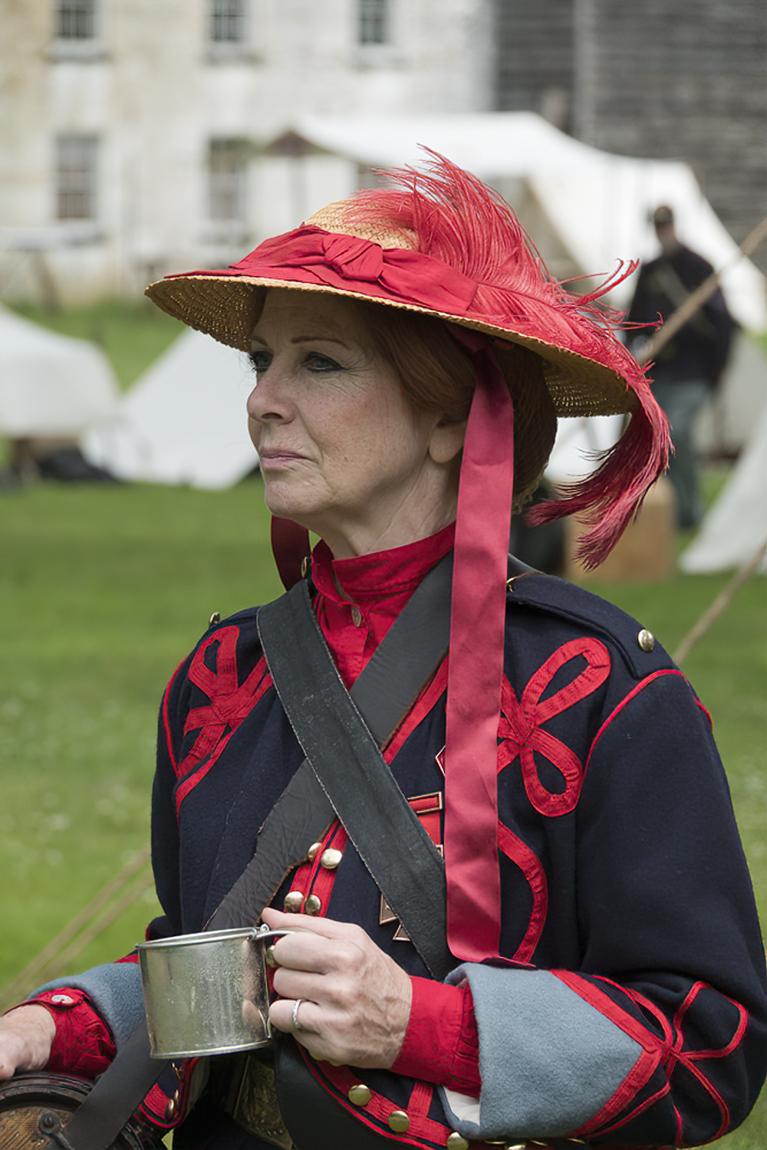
x=316, y=362
x=260, y=361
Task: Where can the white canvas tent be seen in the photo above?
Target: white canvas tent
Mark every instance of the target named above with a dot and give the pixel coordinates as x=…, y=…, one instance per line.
x=183, y=421
x=735, y=526
x=51, y=385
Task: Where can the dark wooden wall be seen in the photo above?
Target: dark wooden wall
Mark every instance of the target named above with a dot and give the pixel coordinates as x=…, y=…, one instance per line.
x=673, y=79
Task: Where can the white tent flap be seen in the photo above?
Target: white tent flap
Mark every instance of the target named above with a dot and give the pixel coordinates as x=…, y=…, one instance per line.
x=50, y=384
x=735, y=526
x=183, y=421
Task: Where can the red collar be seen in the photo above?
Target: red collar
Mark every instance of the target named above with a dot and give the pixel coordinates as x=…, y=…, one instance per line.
x=381, y=575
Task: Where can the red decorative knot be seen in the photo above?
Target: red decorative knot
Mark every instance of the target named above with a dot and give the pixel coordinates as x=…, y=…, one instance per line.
x=354, y=258
x=521, y=727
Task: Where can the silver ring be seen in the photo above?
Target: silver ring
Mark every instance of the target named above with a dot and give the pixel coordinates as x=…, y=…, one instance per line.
x=296, y=1024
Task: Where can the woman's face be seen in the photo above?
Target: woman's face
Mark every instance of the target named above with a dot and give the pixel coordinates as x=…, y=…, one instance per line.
x=342, y=450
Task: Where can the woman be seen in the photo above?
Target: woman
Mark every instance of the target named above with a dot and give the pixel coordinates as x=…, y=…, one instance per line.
x=605, y=979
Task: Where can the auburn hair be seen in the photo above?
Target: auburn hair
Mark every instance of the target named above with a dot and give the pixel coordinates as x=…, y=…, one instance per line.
x=438, y=375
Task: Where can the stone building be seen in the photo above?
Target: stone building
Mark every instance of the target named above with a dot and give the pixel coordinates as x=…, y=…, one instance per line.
x=129, y=128
x=686, y=80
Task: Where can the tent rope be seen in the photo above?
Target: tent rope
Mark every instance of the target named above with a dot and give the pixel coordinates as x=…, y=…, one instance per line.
x=103, y=909
x=723, y=599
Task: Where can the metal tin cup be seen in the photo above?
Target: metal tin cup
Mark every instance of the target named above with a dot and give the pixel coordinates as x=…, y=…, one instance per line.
x=206, y=993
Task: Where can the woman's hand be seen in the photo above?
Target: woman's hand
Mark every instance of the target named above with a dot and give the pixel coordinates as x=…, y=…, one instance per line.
x=26, y=1038
x=355, y=999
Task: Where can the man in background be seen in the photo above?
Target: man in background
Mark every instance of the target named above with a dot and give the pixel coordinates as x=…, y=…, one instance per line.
x=688, y=367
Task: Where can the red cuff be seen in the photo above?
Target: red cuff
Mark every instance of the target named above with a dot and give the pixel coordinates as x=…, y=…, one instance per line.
x=441, y=1043
x=83, y=1044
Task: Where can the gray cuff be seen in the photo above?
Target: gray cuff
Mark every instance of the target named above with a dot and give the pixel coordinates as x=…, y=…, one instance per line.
x=549, y=1061
x=115, y=991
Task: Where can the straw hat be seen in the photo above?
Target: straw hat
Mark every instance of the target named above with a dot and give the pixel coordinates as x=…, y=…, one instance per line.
x=587, y=371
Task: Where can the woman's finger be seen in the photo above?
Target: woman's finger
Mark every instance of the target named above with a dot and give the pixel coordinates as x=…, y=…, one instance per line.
x=298, y=1016
x=299, y=923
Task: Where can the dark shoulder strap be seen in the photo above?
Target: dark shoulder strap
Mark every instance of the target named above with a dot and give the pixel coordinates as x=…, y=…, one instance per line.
x=345, y=756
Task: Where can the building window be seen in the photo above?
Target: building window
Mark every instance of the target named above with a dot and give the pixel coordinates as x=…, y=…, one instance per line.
x=373, y=21
x=227, y=21
x=227, y=170
x=76, y=159
x=76, y=19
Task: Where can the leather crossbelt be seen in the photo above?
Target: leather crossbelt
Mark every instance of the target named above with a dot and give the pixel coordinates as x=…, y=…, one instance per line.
x=342, y=749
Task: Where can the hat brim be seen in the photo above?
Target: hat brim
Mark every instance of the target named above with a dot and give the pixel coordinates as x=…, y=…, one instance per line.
x=227, y=308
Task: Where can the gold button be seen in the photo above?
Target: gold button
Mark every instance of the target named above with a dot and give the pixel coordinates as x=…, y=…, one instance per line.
x=398, y=1121
x=357, y=620
x=171, y=1108
x=360, y=1094
x=215, y=618
x=312, y=905
x=331, y=858
x=294, y=900
x=311, y=854
x=646, y=640
x=269, y=956
x=457, y=1141
x=304, y=566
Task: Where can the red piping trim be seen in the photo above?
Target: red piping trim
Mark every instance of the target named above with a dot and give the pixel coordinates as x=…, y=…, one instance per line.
x=166, y=717
x=645, y=1065
x=423, y=706
x=530, y=865
x=624, y=702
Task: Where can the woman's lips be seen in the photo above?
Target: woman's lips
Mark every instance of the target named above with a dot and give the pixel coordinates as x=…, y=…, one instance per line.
x=278, y=457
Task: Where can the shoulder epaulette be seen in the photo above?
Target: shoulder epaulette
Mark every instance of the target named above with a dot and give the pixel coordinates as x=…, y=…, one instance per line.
x=638, y=646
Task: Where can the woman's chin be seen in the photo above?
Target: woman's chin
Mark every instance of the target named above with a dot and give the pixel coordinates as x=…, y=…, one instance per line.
x=285, y=507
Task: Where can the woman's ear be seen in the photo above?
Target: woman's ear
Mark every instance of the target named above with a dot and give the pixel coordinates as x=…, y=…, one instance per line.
x=446, y=440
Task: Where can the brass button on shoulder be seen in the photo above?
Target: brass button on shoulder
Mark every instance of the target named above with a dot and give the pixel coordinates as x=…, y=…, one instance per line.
x=646, y=640
x=356, y=616
x=359, y=1095
x=294, y=900
x=331, y=858
x=312, y=905
x=311, y=854
x=215, y=618
x=398, y=1121
x=457, y=1141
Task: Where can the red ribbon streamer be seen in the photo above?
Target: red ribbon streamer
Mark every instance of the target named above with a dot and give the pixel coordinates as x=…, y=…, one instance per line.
x=475, y=671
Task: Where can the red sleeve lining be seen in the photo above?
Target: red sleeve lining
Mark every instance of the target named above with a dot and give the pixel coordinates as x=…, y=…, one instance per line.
x=441, y=1043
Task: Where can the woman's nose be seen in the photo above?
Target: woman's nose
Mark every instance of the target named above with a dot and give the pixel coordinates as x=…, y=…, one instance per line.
x=268, y=401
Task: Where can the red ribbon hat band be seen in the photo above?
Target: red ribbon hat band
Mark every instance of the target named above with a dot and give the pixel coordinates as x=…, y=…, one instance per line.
x=309, y=255
x=458, y=251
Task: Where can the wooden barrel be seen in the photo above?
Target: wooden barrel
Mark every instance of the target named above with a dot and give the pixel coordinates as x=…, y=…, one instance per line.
x=34, y=1108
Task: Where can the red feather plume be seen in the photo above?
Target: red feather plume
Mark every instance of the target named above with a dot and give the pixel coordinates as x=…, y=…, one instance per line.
x=458, y=219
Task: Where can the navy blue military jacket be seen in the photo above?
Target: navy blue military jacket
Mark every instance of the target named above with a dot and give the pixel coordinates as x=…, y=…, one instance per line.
x=632, y=1011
